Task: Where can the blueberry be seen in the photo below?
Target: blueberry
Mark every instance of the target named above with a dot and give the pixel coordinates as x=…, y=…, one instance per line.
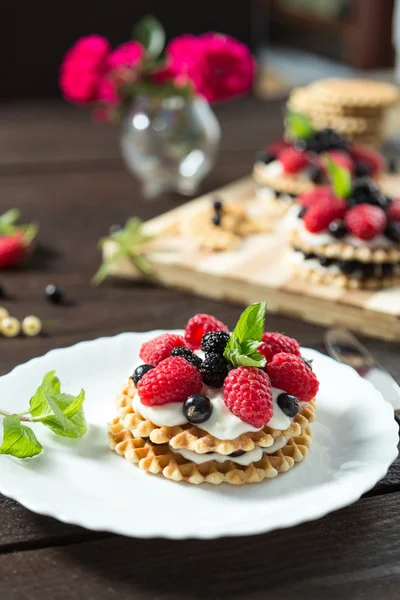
x=302, y=212
x=214, y=370
x=288, y=404
x=387, y=269
x=368, y=270
x=348, y=267
x=392, y=232
x=217, y=220
x=362, y=169
x=315, y=174
x=277, y=194
x=197, y=408
x=338, y=229
x=139, y=372
x=215, y=341
x=54, y=293
x=217, y=204
x=325, y=262
x=236, y=453
x=308, y=255
x=187, y=355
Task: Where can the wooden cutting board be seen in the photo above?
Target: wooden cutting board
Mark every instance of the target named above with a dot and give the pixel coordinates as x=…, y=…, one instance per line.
x=260, y=269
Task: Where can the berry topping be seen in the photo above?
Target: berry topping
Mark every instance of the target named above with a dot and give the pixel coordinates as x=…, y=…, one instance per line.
x=315, y=174
x=293, y=160
x=289, y=373
x=215, y=341
x=248, y=395
x=214, y=370
x=187, y=355
x=54, y=293
x=342, y=158
x=392, y=232
x=139, y=372
x=393, y=211
x=365, y=221
x=367, y=156
x=362, y=169
x=288, y=404
x=198, y=325
x=172, y=380
x=319, y=216
x=315, y=195
x=338, y=229
x=217, y=205
x=158, y=349
x=197, y=408
x=273, y=343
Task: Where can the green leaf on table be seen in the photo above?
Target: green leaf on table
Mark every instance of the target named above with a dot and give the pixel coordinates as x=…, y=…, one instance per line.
x=298, y=126
x=62, y=413
x=340, y=178
x=242, y=347
x=18, y=439
x=150, y=33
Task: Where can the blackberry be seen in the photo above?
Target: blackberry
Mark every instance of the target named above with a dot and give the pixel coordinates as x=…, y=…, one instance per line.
x=368, y=270
x=362, y=169
x=139, y=372
x=187, y=355
x=288, y=404
x=214, y=370
x=315, y=174
x=338, y=229
x=197, y=408
x=215, y=341
x=387, y=269
x=392, y=232
x=364, y=191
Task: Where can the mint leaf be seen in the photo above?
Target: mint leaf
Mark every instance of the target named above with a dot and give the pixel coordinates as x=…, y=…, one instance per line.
x=340, y=178
x=242, y=347
x=298, y=126
x=150, y=33
x=62, y=413
x=19, y=440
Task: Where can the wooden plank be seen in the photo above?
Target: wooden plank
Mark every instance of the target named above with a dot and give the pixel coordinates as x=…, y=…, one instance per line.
x=259, y=268
x=353, y=553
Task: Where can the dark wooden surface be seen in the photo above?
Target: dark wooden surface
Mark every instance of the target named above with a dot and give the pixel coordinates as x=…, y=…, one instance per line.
x=66, y=173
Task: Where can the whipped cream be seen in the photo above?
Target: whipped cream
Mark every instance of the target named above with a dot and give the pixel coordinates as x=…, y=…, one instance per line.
x=222, y=424
x=244, y=460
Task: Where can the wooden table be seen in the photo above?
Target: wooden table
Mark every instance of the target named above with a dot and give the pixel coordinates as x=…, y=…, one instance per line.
x=66, y=173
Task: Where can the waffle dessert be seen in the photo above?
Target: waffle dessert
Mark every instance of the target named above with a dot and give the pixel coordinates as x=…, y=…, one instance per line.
x=295, y=166
x=352, y=241
x=222, y=226
x=194, y=410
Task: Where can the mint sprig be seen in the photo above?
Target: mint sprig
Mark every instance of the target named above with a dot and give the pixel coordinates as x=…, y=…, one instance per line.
x=8, y=225
x=151, y=34
x=129, y=242
x=298, y=126
x=339, y=176
x=242, y=347
x=62, y=413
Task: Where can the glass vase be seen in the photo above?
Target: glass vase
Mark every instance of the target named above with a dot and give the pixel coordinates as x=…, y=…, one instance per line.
x=171, y=143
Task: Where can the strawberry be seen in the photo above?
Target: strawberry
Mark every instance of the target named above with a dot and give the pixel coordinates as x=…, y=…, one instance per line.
x=293, y=160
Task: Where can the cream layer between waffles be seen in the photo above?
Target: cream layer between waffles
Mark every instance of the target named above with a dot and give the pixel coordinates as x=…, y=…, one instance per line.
x=194, y=416
x=351, y=242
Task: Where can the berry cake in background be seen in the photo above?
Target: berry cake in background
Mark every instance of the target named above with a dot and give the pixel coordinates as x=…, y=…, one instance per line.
x=347, y=234
x=214, y=406
x=288, y=168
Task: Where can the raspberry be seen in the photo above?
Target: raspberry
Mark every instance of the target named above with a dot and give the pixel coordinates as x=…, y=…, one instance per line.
x=199, y=325
x=214, y=370
x=394, y=210
x=342, y=158
x=160, y=348
x=215, y=341
x=314, y=196
x=365, y=155
x=365, y=221
x=172, y=380
x=248, y=395
x=290, y=374
x=273, y=343
x=293, y=160
x=319, y=216
x=276, y=147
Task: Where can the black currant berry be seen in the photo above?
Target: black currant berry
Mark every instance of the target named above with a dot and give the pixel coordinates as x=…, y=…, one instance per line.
x=139, y=372
x=54, y=294
x=288, y=404
x=197, y=408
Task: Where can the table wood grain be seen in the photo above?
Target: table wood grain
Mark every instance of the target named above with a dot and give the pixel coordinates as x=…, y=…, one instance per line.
x=66, y=173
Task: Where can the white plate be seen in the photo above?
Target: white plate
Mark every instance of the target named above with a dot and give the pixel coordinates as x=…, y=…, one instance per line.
x=83, y=482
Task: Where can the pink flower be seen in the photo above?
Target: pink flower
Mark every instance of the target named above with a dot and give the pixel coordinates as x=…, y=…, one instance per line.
x=129, y=54
x=182, y=53
x=226, y=67
x=83, y=66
